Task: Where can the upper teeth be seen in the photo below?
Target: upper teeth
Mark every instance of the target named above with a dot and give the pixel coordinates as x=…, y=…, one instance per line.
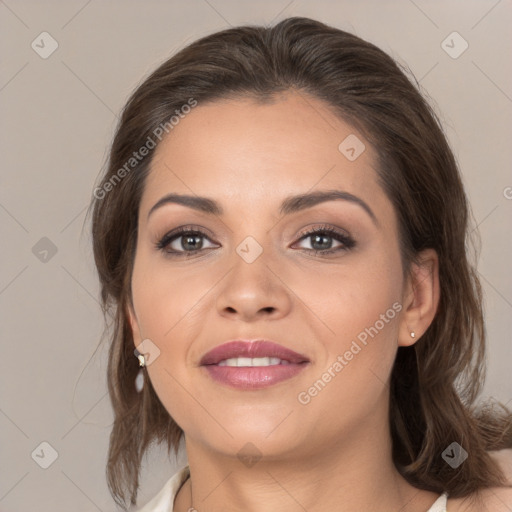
x=255, y=361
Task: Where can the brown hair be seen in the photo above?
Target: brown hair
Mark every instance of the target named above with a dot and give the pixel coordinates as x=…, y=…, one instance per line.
x=435, y=382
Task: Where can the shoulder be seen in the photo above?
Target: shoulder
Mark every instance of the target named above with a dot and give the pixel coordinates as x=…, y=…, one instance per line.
x=164, y=500
x=493, y=499
x=504, y=459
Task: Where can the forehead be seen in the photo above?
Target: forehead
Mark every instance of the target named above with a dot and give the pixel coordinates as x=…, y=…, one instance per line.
x=260, y=151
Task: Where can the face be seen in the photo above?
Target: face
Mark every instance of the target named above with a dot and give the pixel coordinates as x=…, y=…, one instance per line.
x=255, y=272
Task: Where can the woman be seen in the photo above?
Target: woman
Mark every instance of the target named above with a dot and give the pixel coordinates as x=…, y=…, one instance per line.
x=280, y=237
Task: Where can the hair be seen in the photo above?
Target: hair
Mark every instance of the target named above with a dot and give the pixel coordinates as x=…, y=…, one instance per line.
x=436, y=381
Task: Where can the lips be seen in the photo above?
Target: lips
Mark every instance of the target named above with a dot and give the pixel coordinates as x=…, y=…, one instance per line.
x=251, y=349
x=252, y=365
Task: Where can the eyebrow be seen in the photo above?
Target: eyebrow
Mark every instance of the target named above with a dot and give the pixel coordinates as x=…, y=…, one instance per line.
x=290, y=204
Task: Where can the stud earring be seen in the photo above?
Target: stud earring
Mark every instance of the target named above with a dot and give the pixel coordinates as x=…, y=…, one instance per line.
x=412, y=334
x=139, y=380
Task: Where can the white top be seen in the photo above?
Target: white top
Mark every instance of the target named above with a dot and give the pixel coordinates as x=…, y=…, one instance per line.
x=164, y=500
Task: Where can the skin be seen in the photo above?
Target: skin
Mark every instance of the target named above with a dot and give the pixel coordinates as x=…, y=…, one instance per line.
x=335, y=452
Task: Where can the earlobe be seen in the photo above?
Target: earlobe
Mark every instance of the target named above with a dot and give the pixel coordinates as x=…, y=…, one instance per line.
x=420, y=298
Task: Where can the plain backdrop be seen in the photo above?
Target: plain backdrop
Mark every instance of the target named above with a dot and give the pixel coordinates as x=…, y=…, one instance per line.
x=58, y=114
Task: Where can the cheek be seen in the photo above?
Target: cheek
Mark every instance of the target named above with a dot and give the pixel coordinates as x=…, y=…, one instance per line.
x=350, y=382
x=171, y=305
x=355, y=298
x=166, y=299
x=360, y=310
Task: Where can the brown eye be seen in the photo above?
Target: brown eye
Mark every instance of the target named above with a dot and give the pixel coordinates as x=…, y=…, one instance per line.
x=182, y=241
x=322, y=240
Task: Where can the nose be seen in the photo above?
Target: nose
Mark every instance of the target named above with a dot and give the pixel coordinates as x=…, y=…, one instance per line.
x=254, y=291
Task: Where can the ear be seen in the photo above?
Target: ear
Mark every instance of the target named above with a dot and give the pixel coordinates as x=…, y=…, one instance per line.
x=420, y=298
x=134, y=324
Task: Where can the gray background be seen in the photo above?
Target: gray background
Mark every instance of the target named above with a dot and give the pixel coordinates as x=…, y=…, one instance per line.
x=58, y=118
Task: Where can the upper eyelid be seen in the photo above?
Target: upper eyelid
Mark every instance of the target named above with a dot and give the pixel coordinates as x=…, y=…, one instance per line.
x=174, y=234
x=204, y=231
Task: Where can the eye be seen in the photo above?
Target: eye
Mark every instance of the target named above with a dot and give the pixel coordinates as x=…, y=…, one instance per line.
x=321, y=240
x=187, y=241
x=183, y=241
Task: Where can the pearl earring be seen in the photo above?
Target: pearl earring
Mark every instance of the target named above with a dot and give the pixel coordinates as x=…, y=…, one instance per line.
x=139, y=380
x=412, y=334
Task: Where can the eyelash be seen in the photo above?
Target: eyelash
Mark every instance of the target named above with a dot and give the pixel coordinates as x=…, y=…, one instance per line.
x=347, y=241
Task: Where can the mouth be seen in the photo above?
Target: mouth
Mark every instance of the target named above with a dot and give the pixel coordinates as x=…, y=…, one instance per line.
x=252, y=365
x=255, y=361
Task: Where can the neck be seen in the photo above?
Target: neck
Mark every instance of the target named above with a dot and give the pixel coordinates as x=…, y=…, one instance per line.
x=354, y=474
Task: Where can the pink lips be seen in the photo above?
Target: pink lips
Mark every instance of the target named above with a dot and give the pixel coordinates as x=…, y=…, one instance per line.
x=256, y=348
x=252, y=377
